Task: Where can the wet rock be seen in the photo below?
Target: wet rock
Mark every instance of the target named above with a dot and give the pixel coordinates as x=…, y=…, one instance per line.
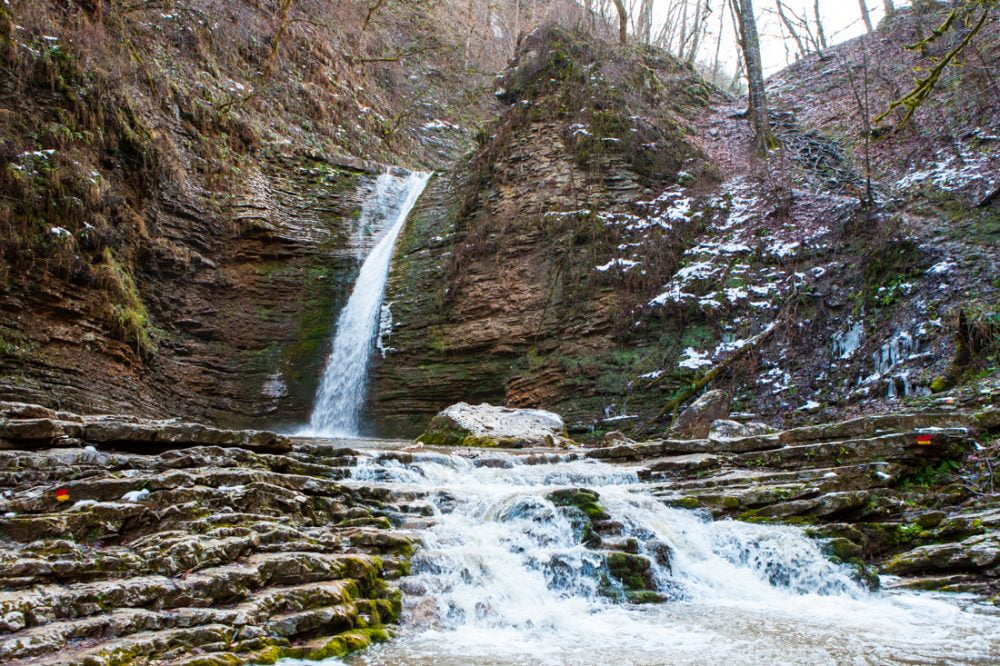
x=635, y=574
x=486, y=425
x=581, y=498
x=977, y=552
x=221, y=548
x=695, y=422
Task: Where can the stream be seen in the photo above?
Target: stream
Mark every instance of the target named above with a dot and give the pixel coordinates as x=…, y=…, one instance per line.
x=503, y=578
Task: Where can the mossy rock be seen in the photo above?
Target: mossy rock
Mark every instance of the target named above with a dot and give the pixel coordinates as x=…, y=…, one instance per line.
x=349, y=641
x=581, y=498
x=844, y=549
x=644, y=597
x=634, y=572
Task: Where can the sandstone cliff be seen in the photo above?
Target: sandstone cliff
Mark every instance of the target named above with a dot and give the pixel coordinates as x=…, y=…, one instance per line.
x=614, y=243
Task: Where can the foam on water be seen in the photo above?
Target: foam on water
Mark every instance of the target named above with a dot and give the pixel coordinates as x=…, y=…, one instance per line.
x=503, y=578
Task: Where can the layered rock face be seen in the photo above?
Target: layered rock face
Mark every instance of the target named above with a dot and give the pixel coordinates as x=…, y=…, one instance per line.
x=614, y=246
x=494, y=293
x=907, y=492
x=179, y=231
x=130, y=541
x=243, y=316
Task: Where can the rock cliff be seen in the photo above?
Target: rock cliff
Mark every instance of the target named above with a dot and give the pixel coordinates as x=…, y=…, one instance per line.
x=614, y=246
x=179, y=221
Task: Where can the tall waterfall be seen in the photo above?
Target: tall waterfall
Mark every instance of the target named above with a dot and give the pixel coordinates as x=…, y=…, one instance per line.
x=342, y=391
x=503, y=577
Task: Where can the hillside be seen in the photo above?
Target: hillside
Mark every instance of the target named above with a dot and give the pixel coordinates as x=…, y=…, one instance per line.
x=580, y=276
x=257, y=258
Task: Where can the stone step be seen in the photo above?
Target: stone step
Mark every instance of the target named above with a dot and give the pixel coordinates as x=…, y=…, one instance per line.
x=976, y=553
x=138, y=646
x=669, y=466
x=895, y=447
x=870, y=426
x=844, y=477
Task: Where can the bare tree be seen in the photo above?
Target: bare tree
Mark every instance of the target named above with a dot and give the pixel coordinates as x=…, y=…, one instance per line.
x=718, y=43
x=863, y=102
x=820, y=34
x=750, y=45
x=865, y=16
x=698, y=27
x=787, y=22
x=644, y=28
x=622, y=21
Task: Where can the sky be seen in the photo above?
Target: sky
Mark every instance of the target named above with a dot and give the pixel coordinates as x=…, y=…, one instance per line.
x=841, y=21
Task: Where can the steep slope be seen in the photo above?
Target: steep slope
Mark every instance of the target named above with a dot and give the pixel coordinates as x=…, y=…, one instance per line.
x=178, y=194
x=494, y=294
x=612, y=299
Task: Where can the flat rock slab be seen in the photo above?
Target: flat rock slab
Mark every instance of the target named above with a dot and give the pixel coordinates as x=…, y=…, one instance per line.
x=685, y=463
x=32, y=427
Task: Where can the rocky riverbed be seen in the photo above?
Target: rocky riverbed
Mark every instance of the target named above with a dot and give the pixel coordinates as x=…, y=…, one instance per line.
x=136, y=541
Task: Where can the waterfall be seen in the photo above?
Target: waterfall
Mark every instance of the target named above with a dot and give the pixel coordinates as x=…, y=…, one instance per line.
x=344, y=386
x=503, y=576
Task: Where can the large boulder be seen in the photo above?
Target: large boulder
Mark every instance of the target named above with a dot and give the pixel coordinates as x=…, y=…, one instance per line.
x=463, y=424
x=695, y=422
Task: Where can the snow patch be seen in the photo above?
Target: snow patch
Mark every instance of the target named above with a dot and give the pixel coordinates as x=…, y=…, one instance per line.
x=694, y=359
x=135, y=495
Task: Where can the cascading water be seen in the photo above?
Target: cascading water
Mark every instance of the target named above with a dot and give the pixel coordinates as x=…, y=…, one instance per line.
x=342, y=391
x=504, y=577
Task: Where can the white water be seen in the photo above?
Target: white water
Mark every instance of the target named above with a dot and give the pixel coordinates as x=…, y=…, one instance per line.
x=342, y=391
x=503, y=578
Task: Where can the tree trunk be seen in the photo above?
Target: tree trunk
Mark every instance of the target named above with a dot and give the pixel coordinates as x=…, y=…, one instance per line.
x=684, y=29
x=890, y=9
x=622, y=22
x=718, y=44
x=750, y=45
x=517, y=27
x=645, y=25
x=820, y=34
x=697, y=29
x=865, y=16
x=791, y=28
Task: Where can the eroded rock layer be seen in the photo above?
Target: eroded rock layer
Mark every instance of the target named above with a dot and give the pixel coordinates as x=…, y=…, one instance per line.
x=129, y=541
x=908, y=492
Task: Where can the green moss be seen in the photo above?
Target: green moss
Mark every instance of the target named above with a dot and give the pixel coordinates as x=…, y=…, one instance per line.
x=939, y=384
x=633, y=572
x=581, y=498
x=906, y=533
x=129, y=316
x=844, y=549
x=685, y=503
x=930, y=474
x=348, y=642
x=644, y=597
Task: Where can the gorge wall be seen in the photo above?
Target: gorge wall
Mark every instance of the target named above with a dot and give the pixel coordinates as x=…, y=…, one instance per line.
x=613, y=241
x=179, y=194
x=179, y=220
